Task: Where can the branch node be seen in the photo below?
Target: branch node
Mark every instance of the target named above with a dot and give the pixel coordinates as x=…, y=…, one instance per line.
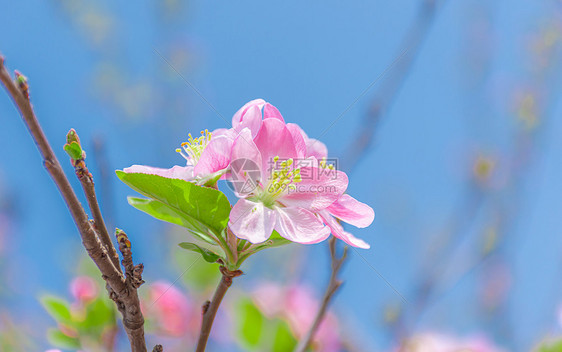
x=205, y=307
x=228, y=275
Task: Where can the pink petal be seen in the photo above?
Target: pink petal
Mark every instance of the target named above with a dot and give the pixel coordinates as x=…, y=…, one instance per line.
x=274, y=139
x=299, y=138
x=300, y=225
x=352, y=211
x=251, y=221
x=271, y=112
x=228, y=132
x=318, y=189
x=316, y=149
x=215, y=157
x=338, y=231
x=245, y=164
x=251, y=120
x=181, y=172
x=238, y=116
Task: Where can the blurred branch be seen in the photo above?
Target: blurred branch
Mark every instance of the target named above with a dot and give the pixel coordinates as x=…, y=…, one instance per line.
x=103, y=166
x=507, y=202
x=333, y=286
x=210, y=308
x=389, y=88
x=122, y=288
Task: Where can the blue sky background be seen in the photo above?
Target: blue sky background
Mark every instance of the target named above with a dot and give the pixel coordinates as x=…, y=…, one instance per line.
x=95, y=67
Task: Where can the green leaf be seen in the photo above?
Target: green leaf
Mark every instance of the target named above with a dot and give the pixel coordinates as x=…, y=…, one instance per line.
x=202, y=275
x=57, y=308
x=284, y=340
x=201, y=207
x=99, y=314
x=251, y=324
x=59, y=339
x=163, y=212
x=207, y=254
x=74, y=150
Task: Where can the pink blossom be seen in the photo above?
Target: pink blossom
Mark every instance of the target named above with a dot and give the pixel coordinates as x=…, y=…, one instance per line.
x=84, y=289
x=207, y=157
x=172, y=311
x=298, y=306
x=281, y=199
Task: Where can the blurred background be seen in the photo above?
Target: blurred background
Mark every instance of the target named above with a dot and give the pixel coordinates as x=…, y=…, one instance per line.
x=443, y=114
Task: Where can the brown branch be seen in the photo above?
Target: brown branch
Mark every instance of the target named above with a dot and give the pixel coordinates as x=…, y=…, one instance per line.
x=210, y=308
x=87, y=182
x=333, y=286
x=128, y=302
x=121, y=288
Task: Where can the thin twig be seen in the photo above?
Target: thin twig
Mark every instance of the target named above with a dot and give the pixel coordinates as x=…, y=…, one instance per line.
x=119, y=286
x=87, y=182
x=389, y=88
x=333, y=286
x=210, y=308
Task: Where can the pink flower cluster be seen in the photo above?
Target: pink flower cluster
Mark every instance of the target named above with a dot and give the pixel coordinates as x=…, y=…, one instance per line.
x=298, y=306
x=437, y=342
x=280, y=175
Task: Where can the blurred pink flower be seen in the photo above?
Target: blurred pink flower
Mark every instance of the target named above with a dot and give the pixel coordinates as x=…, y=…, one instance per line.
x=298, y=305
x=84, y=289
x=171, y=310
x=436, y=342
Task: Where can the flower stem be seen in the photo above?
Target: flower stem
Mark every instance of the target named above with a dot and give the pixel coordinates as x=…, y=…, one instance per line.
x=210, y=308
x=333, y=286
